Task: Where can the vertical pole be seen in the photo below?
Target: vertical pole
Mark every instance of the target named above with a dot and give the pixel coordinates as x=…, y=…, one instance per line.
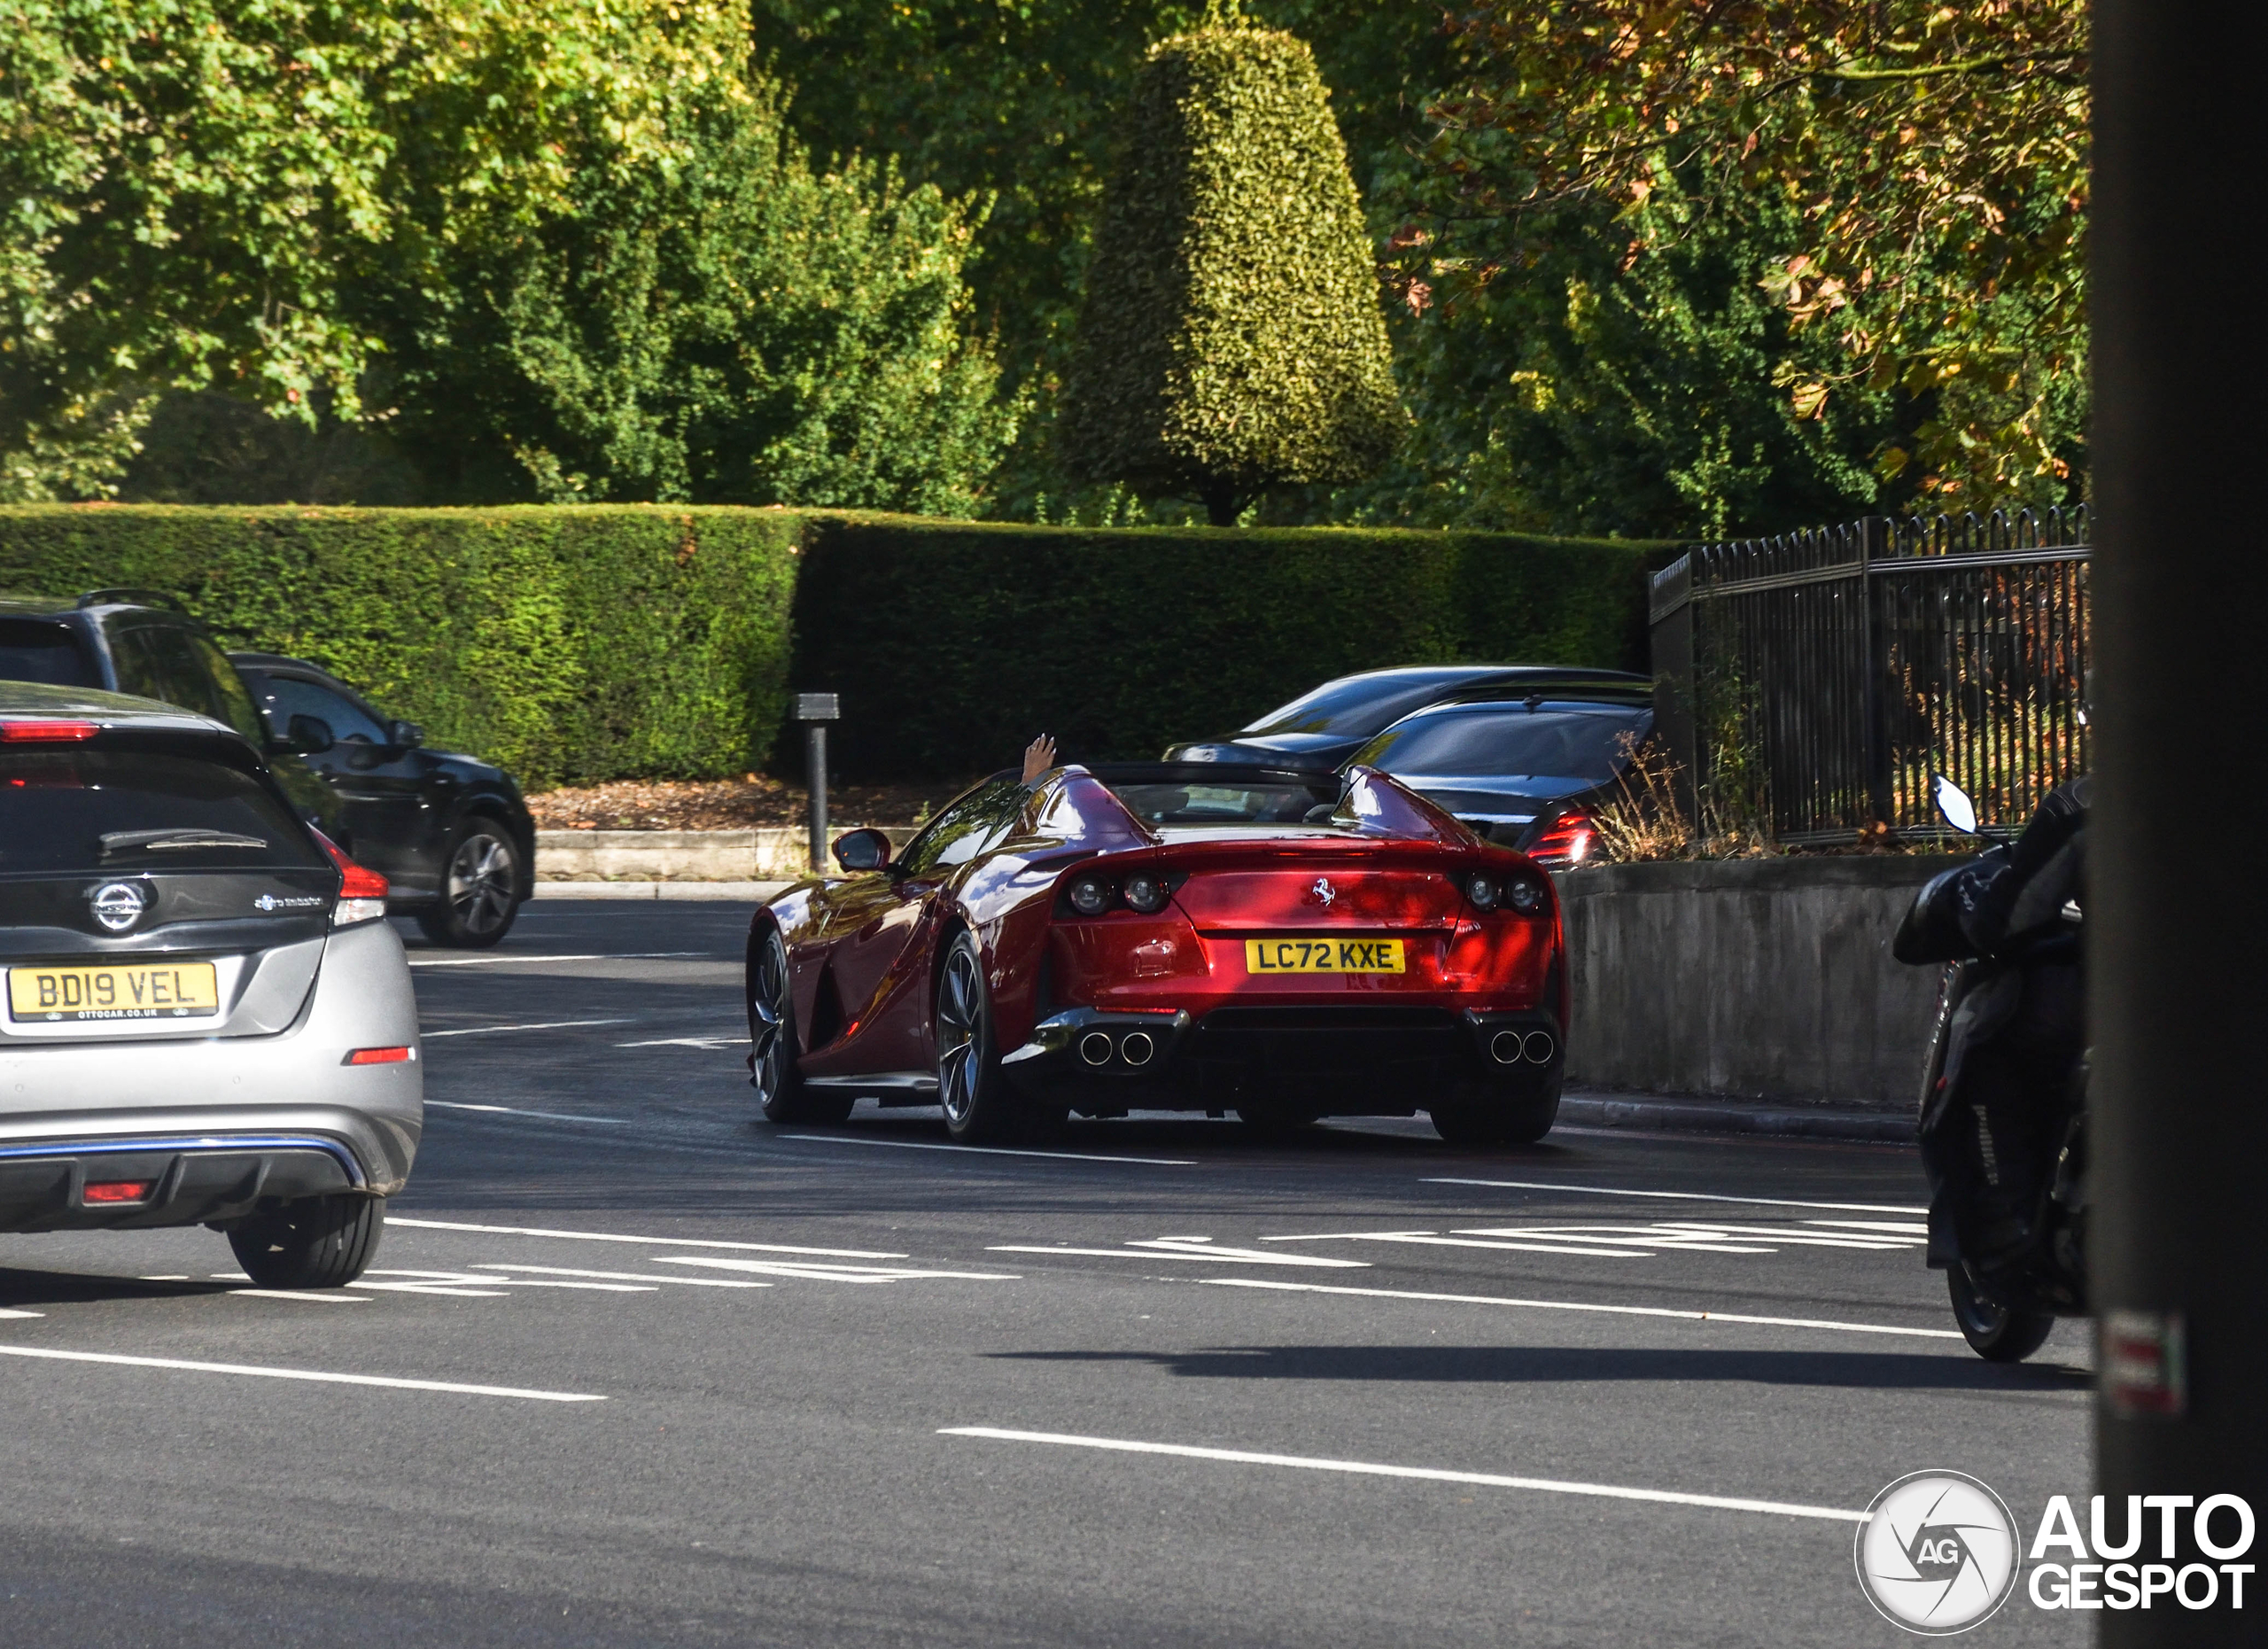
x=1874, y=744
x=2175, y=931
x=815, y=759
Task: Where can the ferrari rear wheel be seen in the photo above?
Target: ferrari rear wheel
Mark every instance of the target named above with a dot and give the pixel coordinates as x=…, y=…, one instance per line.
x=971, y=1086
x=1480, y=1113
x=780, y=1090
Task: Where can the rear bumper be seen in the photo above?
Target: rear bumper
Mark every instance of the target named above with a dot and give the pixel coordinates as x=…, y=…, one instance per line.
x=1346, y=1061
x=185, y=1180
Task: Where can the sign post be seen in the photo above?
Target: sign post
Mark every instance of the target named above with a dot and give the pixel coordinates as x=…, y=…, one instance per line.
x=815, y=711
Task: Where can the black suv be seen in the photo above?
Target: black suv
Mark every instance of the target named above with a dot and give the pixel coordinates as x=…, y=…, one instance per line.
x=451, y=835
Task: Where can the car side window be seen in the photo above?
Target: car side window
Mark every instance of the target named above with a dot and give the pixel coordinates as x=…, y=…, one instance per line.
x=966, y=828
x=156, y=662
x=227, y=687
x=285, y=697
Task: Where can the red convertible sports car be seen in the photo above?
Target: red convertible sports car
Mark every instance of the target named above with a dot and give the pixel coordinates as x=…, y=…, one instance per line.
x=1195, y=937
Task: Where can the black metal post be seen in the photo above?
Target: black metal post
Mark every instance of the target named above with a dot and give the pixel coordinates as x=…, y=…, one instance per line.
x=815, y=711
x=2177, y=925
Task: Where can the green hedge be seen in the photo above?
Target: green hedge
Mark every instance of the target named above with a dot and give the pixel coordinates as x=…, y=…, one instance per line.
x=567, y=644
x=953, y=644
x=575, y=644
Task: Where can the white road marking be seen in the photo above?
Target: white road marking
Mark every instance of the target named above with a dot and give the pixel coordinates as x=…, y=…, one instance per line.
x=828, y=1273
x=657, y=1243
x=1657, y=1238
x=302, y=1373
x=1901, y=1227
x=1429, y=1240
x=507, y=1110
x=1571, y=1305
x=548, y=1025
x=1781, y=1234
x=985, y=1150
x=688, y=1042
x=292, y=1294
x=451, y=1282
x=1228, y=1256
x=1678, y=1197
x=1364, y=1468
x=683, y=1282
x=165, y=1277
x=1205, y=1247
x=590, y=956
x=7, y=1312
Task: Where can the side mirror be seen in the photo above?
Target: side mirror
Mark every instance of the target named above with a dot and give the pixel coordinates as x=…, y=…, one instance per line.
x=405, y=735
x=309, y=735
x=863, y=849
x=1953, y=803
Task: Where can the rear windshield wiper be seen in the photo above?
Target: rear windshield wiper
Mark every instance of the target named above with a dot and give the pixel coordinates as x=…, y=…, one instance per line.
x=176, y=840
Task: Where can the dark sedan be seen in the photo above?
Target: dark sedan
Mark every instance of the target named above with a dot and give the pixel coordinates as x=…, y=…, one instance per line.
x=451, y=834
x=1323, y=728
x=1528, y=773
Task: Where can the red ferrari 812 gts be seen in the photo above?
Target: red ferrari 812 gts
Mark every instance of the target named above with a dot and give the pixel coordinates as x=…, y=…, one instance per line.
x=1170, y=936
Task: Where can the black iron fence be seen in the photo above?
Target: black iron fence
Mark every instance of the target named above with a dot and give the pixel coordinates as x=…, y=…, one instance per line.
x=1811, y=683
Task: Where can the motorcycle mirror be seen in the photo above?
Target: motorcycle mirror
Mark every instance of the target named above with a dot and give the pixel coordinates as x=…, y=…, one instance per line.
x=1953, y=803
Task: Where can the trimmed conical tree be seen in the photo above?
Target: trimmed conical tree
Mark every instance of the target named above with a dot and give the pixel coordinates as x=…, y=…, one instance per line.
x=1232, y=338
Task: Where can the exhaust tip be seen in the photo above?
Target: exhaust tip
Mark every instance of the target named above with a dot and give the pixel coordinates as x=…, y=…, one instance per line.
x=1504, y=1047
x=1094, y=1047
x=1540, y=1046
x=1135, y=1048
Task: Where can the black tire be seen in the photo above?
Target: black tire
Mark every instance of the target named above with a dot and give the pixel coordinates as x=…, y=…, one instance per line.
x=483, y=885
x=1997, y=1333
x=780, y=1093
x=972, y=1088
x=1480, y=1113
x=316, y=1243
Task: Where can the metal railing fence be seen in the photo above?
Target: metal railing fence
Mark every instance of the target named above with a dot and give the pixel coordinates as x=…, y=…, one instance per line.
x=1813, y=682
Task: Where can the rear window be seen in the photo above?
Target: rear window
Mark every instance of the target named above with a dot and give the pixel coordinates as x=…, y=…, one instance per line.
x=1357, y=707
x=1249, y=804
x=113, y=811
x=1548, y=742
x=33, y=650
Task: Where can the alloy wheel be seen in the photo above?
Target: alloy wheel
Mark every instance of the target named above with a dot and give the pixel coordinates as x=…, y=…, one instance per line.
x=961, y=1021
x=767, y=1017
x=482, y=881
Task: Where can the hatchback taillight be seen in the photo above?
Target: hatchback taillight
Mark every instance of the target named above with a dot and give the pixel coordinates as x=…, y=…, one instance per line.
x=1564, y=842
x=362, y=891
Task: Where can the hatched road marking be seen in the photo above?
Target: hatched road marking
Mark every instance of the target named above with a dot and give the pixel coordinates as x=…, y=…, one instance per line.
x=257, y=1372
x=1677, y=1196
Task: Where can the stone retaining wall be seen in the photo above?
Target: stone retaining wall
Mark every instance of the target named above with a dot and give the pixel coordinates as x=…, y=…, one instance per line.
x=771, y=854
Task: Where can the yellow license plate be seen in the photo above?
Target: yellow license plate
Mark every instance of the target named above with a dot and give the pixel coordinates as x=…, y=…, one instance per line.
x=1322, y=956
x=137, y=991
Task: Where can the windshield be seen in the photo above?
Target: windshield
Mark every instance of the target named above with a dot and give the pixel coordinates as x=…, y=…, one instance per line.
x=1553, y=741
x=33, y=650
x=1356, y=706
x=116, y=811
x=1254, y=802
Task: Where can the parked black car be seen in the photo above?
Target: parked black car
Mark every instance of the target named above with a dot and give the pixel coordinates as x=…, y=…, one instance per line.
x=1529, y=772
x=452, y=835
x=1324, y=727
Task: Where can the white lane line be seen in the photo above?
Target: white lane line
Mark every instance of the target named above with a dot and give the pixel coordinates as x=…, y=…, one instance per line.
x=828, y=1273
x=303, y=1373
x=657, y=1243
x=1689, y=1316
x=688, y=1042
x=452, y=1282
x=1365, y=1468
x=1429, y=1240
x=683, y=1282
x=1782, y=1233
x=310, y=1299
x=1205, y=1247
x=1901, y=1227
x=7, y=1312
x=1227, y=1256
x=548, y=1025
x=1660, y=1239
x=985, y=1150
x=592, y=956
x=507, y=1110
x=1679, y=1196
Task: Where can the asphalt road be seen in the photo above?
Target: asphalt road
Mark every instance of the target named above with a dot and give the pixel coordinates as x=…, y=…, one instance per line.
x=634, y=1369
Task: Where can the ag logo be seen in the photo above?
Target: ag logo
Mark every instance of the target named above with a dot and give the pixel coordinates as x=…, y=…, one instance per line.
x=118, y=905
x=1938, y=1553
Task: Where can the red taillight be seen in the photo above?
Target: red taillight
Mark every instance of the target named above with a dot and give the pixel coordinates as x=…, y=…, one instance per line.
x=47, y=732
x=119, y=1190
x=1565, y=841
x=356, y=882
x=377, y=1056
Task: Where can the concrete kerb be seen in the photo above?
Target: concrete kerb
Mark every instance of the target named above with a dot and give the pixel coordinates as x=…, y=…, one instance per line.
x=1700, y=1114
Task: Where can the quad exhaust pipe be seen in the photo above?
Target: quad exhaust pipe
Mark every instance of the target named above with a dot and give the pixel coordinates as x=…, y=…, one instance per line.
x=1134, y=1048
x=1513, y=1047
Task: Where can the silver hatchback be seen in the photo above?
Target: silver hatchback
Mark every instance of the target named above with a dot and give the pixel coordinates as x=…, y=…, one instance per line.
x=205, y=1017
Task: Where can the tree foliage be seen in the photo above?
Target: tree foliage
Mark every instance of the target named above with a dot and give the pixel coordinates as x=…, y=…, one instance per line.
x=1931, y=158
x=1232, y=338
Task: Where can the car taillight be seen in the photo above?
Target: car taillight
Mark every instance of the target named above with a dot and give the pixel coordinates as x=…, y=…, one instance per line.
x=362, y=891
x=1564, y=842
x=25, y=732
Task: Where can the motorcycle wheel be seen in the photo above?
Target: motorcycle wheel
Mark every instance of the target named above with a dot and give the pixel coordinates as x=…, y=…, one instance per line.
x=1997, y=1333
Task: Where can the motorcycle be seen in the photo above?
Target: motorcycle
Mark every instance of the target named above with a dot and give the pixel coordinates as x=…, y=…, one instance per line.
x=2013, y=1264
